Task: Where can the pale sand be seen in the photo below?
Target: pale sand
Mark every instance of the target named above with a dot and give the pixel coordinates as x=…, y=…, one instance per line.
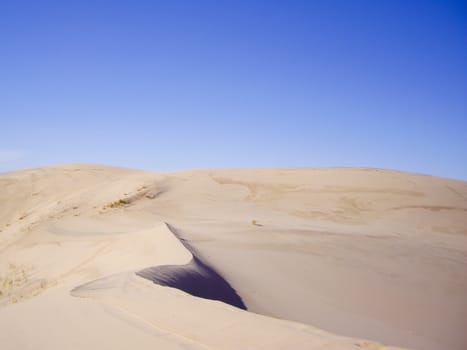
x=364, y=253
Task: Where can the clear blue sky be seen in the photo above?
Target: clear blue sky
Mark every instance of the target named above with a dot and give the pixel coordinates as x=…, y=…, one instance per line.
x=184, y=84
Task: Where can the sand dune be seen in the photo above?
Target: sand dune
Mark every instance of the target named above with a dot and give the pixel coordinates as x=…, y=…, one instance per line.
x=321, y=258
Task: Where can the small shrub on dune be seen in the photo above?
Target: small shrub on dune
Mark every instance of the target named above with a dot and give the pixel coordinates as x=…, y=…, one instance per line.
x=255, y=223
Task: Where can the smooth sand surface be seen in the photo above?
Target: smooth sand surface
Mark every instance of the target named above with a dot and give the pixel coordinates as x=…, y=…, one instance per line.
x=321, y=257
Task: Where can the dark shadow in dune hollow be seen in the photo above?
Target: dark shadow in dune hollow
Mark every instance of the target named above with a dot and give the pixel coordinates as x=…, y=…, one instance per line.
x=195, y=278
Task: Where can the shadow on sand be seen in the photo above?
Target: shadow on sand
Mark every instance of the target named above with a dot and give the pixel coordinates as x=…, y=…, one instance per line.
x=196, y=278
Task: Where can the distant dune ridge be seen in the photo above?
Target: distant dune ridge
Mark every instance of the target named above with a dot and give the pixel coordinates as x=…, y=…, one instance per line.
x=322, y=258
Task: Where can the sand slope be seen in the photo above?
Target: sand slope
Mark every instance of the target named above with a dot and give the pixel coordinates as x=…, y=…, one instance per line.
x=362, y=253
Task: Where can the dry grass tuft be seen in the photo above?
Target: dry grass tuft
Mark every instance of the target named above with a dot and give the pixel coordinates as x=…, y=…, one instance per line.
x=118, y=203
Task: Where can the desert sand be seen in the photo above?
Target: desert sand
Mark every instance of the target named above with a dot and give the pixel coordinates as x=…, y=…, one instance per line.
x=322, y=258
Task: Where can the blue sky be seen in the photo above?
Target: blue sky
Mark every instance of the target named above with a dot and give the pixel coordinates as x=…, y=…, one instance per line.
x=193, y=84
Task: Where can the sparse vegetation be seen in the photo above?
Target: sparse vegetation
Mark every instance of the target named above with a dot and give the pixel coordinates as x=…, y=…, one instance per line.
x=15, y=285
x=23, y=216
x=118, y=203
x=130, y=198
